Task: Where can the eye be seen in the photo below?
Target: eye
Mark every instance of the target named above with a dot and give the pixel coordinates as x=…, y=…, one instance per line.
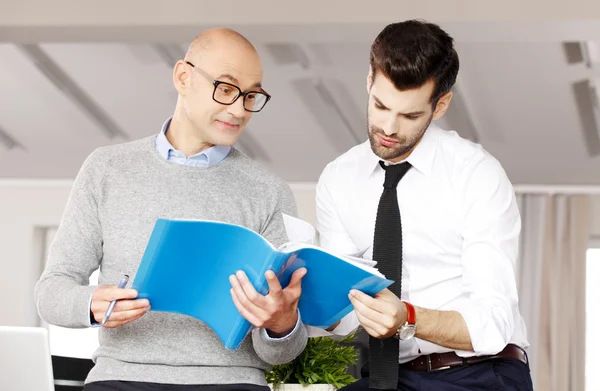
x=251, y=96
x=411, y=117
x=379, y=107
x=225, y=89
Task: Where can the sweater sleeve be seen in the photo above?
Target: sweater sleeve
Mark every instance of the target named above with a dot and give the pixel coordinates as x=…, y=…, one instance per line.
x=62, y=294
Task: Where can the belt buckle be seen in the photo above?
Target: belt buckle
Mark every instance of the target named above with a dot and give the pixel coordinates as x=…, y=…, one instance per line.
x=430, y=369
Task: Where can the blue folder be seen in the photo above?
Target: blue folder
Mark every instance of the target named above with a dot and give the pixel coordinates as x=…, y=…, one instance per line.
x=187, y=263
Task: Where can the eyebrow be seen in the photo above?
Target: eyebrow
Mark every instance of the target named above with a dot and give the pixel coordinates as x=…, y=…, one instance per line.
x=236, y=81
x=411, y=114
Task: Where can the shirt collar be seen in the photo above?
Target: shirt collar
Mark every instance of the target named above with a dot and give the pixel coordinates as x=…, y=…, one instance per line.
x=420, y=158
x=213, y=155
x=162, y=143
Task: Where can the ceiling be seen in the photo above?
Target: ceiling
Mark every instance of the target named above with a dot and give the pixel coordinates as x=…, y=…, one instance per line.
x=522, y=91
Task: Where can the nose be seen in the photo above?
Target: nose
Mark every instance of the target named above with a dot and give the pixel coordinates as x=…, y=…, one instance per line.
x=390, y=128
x=237, y=108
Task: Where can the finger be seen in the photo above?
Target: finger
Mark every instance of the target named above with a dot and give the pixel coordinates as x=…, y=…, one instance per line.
x=374, y=329
x=249, y=316
x=113, y=293
x=99, y=308
x=361, y=309
x=127, y=315
x=113, y=324
x=127, y=305
x=114, y=320
x=244, y=300
x=122, y=305
x=274, y=285
x=371, y=332
x=295, y=286
x=249, y=291
x=98, y=316
x=381, y=306
x=297, y=277
x=386, y=322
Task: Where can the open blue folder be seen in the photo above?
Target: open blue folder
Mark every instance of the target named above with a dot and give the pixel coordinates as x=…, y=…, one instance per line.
x=187, y=263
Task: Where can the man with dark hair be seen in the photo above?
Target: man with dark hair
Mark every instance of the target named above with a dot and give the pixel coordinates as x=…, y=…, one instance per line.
x=445, y=227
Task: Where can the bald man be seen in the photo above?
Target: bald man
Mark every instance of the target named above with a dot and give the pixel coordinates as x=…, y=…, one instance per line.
x=190, y=171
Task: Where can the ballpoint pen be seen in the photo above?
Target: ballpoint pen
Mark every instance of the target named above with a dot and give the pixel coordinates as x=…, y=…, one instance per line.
x=122, y=285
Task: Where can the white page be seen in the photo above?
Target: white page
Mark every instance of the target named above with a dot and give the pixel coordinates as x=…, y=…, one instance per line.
x=299, y=231
x=362, y=261
x=302, y=234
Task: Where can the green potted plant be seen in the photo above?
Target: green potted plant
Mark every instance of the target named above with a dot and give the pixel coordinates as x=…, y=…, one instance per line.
x=322, y=366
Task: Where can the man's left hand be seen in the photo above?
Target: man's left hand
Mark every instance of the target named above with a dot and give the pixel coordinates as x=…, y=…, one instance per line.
x=380, y=316
x=277, y=312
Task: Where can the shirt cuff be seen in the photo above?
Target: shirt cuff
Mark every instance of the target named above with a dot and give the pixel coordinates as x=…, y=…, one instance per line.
x=487, y=337
x=269, y=338
x=93, y=322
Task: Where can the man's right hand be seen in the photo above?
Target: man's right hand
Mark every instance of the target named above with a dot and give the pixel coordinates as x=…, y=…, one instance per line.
x=126, y=309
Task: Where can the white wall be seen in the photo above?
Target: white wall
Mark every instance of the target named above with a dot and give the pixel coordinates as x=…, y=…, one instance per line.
x=595, y=228
x=23, y=207
x=305, y=198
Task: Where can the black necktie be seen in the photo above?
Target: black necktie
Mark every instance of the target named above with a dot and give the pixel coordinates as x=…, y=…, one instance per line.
x=387, y=252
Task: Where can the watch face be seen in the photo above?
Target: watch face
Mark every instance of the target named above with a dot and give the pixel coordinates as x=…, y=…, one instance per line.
x=407, y=331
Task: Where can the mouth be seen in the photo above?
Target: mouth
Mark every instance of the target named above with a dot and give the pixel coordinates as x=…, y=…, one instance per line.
x=386, y=142
x=227, y=125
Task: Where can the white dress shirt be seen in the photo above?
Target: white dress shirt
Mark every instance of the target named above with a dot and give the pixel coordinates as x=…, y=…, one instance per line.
x=460, y=234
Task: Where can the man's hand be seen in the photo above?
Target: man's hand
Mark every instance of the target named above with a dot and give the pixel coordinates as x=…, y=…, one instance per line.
x=277, y=311
x=381, y=315
x=125, y=310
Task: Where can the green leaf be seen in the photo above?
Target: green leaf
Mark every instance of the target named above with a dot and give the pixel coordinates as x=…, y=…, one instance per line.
x=324, y=361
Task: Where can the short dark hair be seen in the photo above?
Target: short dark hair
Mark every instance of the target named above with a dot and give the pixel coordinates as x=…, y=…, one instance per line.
x=413, y=52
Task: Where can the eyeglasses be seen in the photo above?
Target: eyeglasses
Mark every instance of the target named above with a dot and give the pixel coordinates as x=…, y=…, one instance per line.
x=226, y=93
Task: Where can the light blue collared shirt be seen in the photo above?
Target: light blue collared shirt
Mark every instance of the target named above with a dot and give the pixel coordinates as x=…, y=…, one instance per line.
x=207, y=158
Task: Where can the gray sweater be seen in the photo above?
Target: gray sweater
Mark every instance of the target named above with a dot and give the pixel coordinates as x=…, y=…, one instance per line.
x=116, y=198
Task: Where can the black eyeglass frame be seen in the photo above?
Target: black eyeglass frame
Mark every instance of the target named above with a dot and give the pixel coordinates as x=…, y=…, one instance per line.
x=216, y=83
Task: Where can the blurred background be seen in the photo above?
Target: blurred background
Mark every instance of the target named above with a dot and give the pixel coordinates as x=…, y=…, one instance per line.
x=76, y=75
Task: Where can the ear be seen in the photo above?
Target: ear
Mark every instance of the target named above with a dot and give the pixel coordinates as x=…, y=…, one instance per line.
x=369, y=79
x=181, y=77
x=442, y=105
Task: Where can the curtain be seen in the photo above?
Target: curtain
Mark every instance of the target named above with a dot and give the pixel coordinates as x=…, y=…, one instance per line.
x=551, y=282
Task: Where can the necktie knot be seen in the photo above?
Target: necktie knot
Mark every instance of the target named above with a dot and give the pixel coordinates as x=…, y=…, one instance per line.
x=393, y=173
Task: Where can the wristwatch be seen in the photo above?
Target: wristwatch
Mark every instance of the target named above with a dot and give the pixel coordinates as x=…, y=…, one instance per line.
x=409, y=328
